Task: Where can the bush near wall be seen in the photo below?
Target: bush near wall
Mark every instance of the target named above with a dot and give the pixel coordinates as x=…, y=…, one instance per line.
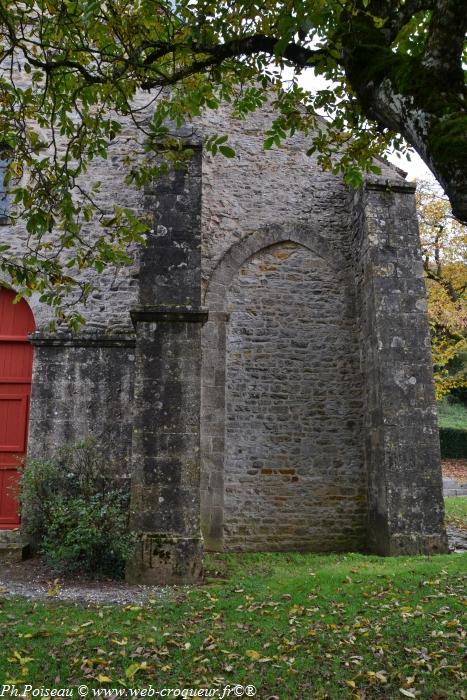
x=453, y=443
x=75, y=507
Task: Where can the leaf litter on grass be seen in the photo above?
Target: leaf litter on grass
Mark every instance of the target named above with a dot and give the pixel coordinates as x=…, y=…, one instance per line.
x=352, y=627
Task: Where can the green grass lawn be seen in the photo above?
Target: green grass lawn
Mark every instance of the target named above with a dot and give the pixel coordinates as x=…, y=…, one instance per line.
x=456, y=511
x=295, y=626
x=452, y=415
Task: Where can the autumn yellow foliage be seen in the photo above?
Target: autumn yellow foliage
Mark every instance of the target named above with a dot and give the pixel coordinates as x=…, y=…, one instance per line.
x=444, y=246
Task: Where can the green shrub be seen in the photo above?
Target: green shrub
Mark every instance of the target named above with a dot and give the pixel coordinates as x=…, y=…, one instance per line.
x=453, y=443
x=75, y=507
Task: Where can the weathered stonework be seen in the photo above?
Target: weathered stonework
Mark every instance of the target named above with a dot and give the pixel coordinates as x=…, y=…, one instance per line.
x=264, y=365
x=405, y=503
x=293, y=462
x=282, y=458
x=82, y=385
x=13, y=546
x=165, y=510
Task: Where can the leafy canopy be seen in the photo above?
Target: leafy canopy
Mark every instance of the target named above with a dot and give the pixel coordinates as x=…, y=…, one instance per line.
x=73, y=73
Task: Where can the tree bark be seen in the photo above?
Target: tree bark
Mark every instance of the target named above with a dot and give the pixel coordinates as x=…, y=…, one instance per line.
x=423, y=97
x=438, y=135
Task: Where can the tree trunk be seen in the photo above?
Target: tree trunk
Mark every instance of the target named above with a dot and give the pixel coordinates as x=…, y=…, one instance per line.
x=439, y=138
x=412, y=96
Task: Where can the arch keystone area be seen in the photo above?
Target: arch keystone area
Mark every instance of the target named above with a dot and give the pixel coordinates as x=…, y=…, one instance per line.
x=302, y=234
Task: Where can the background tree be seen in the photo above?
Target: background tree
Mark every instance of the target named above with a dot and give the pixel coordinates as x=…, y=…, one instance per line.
x=444, y=244
x=70, y=70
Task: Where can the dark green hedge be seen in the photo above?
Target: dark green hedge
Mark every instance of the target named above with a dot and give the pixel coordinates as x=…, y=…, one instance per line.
x=453, y=443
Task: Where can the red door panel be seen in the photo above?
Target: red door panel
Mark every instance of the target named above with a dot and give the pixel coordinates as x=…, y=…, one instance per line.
x=9, y=483
x=13, y=422
x=16, y=322
x=15, y=361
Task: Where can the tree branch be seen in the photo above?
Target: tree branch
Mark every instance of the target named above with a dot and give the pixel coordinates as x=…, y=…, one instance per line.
x=453, y=293
x=301, y=56
x=247, y=46
x=403, y=15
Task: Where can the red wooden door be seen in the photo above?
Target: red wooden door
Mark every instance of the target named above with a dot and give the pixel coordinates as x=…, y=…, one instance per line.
x=16, y=322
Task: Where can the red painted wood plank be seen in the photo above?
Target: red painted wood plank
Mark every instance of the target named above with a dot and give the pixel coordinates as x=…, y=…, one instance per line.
x=13, y=339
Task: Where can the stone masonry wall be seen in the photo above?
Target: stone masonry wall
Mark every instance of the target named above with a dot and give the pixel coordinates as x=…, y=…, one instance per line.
x=82, y=386
x=244, y=198
x=165, y=493
x=318, y=415
x=239, y=195
x=116, y=288
x=258, y=188
x=294, y=476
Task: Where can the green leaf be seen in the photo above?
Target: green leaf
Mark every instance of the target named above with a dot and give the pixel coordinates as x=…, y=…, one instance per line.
x=227, y=151
x=353, y=178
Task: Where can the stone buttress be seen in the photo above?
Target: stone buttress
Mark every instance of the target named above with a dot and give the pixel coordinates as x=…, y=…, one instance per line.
x=402, y=453
x=165, y=511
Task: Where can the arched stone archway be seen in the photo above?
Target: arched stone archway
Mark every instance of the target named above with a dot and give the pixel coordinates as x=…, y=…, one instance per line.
x=281, y=399
x=306, y=236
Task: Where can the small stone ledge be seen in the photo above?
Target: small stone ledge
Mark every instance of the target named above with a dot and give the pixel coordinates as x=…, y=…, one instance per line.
x=222, y=316
x=82, y=340
x=11, y=536
x=386, y=185
x=183, y=314
x=13, y=551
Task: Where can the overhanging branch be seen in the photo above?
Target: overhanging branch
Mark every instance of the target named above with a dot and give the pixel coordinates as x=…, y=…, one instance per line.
x=209, y=56
x=403, y=14
x=301, y=56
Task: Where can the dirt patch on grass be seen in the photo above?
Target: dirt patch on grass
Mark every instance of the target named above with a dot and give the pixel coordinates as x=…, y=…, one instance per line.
x=33, y=578
x=455, y=469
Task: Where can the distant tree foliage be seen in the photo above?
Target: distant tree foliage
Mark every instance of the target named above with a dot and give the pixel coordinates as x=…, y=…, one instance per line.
x=395, y=67
x=444, y=244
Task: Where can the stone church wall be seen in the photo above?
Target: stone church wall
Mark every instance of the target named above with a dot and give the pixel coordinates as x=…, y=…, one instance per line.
x=269, y=344
x=294, y=473
x=116, y=289
x=259, y=188
x=402, y=455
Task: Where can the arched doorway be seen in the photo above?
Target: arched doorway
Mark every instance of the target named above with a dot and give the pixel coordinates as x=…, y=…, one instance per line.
x=16, y=353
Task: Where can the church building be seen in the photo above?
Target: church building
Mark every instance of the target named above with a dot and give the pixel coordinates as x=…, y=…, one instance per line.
x=263, y=367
